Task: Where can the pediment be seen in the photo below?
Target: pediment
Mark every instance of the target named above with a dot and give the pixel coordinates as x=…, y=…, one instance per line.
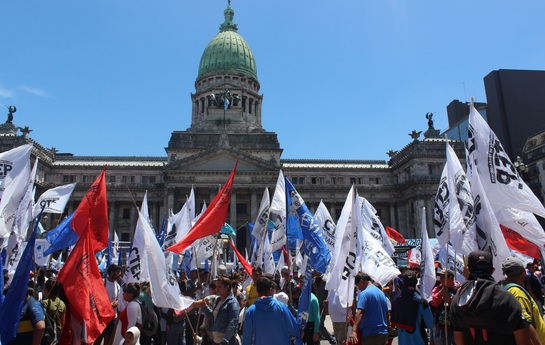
x=218, y=159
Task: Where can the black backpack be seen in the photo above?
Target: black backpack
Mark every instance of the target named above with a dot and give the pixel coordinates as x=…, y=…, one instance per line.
x=50, y=333
x=150, y=322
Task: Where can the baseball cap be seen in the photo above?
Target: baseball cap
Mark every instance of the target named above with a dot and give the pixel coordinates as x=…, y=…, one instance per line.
x=447, y=272
x=479, y=261
x=512, y=265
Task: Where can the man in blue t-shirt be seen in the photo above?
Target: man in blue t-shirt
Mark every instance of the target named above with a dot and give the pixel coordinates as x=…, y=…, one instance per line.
x=371, y=313
x=32, y=323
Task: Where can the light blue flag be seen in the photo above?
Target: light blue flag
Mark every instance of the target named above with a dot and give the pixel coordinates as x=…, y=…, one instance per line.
x=227, y=229
x=1, y=282
x=11, y=309
x=303, y=308
x=314, y=245
x=62, y=236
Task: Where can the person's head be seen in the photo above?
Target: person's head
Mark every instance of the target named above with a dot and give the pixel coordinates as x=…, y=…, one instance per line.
x=532, y=267
x=409, y=279
x=51, y=288
x=132, y=336
x=513, y=268
x=446, y=277
x=241, y=300
x=114, y=272
x=362, y=280
x=222, y=270
x=131, y=291
x=194, y=273
x=480, y=264
x=212, y=288
x=257, y=273
x=264, y=287
x=223, y=286
x=285, y=272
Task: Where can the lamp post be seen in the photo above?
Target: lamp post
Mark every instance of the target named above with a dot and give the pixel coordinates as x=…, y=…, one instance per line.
x=222, y=99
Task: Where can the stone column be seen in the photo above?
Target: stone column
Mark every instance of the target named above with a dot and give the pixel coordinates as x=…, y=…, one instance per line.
x=133, y=220
x=393, y=216
x=254, y=205
x=233, y=210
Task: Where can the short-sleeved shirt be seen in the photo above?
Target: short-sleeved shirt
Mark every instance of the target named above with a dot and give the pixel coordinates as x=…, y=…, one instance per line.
x=529, y=310
x=32, y=313
x=55, y=308
x=375, y=306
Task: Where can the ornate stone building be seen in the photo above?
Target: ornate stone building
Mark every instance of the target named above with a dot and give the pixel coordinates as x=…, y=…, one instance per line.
x=226, y=125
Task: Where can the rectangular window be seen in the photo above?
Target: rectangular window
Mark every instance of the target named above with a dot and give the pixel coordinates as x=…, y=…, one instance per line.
x=124, y=179
x=152, y=179
x=301, y=180
x=126, y=213
x=68, y=178
x=242, y=208
x=313, y=180
x=144, y=179
x=112, y=179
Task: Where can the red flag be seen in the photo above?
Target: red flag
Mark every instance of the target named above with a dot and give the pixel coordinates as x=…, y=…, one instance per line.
x=516, y=242
x=212, y=219
x=394, y=235
x=92, y=213
x=242, y=260
x=84, y=288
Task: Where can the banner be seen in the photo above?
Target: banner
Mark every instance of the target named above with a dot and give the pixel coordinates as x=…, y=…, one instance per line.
x=278, y=214
x=54, y=200
x=326, y=223
x=372, y=224
x=427, y=264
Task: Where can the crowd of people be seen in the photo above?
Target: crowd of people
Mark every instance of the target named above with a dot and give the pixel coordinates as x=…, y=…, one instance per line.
x=232, y=309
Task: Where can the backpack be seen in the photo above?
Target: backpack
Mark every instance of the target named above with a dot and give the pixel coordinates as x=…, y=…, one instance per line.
x=149, y=320
x=50, y=333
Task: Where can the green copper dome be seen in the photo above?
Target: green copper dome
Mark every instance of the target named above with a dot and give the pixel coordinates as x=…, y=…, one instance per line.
x=228, y=52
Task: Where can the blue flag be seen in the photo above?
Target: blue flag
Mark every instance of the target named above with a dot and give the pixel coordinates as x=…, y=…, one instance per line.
x=1, y=281
x=314, y=245
x=11, y=309
x=110, y=253
x=161, y=235
x=62, y=236
x=227, y=229
x=303, y=308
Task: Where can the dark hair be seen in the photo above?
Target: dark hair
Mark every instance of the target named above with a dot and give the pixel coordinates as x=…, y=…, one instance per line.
x=257, y=270
x=133, y=289
x=52, y=286
x=362, y=277
x=264, y=286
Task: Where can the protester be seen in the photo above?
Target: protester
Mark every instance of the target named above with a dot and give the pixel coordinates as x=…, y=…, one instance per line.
x=53, y=305
x=311, y=334
x=223, y=309
x=483, y=310
x=192, y=286
x=251, y=290
x=371, y=313
x=112, y=289
x=32, y=322
x=175, y=327
x=321, y=293
x=339, y=315
x=532, y=284
x=411, y=313
x=132, y=337
x=513, y=269
x=131, y=315
x=441, y=297
x=268, y=322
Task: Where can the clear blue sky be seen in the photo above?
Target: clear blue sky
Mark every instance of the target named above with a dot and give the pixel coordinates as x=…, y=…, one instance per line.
x=341, y=79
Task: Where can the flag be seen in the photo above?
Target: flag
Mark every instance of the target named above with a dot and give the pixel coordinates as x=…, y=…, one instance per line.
x=414, y=257
x=23, y=214
x=84, y=289
x=427, y=265
x=40, y=247
x=205, y=247
x=278, y=214
x=326, y=223
x=395, y=235
x=260, y=225
x=268, y=261
x=455, y=261
x=226, y=102
x=161, y=234
x=10, y=312
x=62, y=236
x=54, y=199
x=165, y=292
x=500, y=179
x=242, y=260
x=516, y=242
x=228, y=230
x=212, y=219
x=92, y=213
x=372, y=224
x=488, y=231
x=14, y=179
x=1, y=280
x=524, y=223
x=454, y=212
x=313, y=242
x=373, y=258
x=344, y=263
x=303, y=308
x=137, y=263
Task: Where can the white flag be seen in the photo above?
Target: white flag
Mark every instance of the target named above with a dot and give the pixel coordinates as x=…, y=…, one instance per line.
x=165, y=292
x=54, y=200
x=326, y=223
x=205, y=247
x=489, y=235
x=344, y=265
x=144, y=210
x=505, y=188
x=427, y=265
x=278, y=213
x=14, y=179
x=372, y=224
x=23, y=214
x=40, y=246
x=260, y=225
x=268, y=261
x=455, y=262
x=454, y=213
x=524, y=223
x=138, y=262
x=115, y=248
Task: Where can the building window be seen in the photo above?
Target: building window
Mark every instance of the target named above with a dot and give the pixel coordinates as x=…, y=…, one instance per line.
x=68, y=178
x=126, y=213
x=112, y=179
x=152, y=179
x=242, y=208
x=430, y=169
x=250, y=106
